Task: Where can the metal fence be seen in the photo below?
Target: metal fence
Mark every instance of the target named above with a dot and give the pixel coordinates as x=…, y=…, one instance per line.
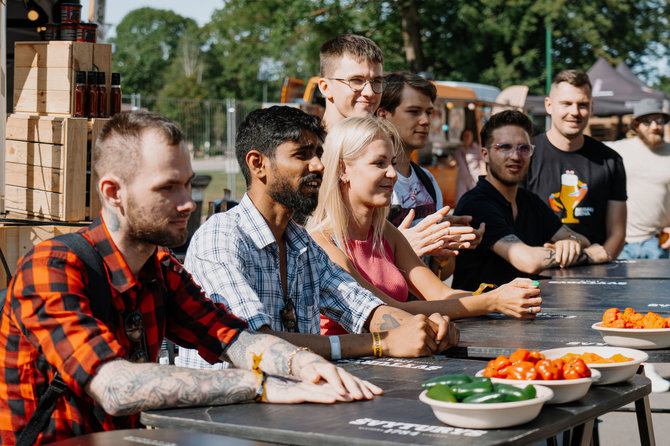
x=208, y=124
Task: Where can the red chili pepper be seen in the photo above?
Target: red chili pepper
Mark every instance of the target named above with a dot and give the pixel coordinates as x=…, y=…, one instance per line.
x=535, y=356
x=547, y=370
x=522, y=370
x=520, y=355
x=575, y=369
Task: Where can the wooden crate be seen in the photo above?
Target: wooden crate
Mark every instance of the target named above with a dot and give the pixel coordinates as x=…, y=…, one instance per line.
x=46, y=167
x=44, y=74
x=16, y=241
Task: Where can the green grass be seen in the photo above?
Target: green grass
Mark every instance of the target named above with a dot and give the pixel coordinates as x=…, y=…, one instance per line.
x=214, y=190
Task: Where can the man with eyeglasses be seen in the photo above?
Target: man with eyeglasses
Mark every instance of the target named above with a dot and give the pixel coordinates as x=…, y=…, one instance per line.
x=49, y=323
x=523, y=236
x=352, y=77
x=647, y=160
x=596, y=205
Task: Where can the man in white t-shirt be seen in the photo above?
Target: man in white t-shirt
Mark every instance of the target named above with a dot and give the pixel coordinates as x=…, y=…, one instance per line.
x=416, y=204
x=646, y=158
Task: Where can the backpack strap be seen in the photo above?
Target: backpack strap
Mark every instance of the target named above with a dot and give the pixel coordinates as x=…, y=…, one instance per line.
x=425, y=180
x=101, y=306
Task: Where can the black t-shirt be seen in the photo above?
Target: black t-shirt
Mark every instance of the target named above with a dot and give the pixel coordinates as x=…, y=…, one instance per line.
x=535, y=225
x=599, y=176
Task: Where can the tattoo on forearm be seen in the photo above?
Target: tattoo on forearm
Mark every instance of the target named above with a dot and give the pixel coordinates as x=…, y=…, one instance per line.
x=275, y=351
x=550, y=258
x=131, y=388
x=510, y=238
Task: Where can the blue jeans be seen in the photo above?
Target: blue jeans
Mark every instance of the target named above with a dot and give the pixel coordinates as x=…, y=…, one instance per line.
x=647, y=249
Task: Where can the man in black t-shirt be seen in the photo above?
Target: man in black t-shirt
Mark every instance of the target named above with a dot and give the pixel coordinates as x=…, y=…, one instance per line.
x=523, y=236
x=582, y=180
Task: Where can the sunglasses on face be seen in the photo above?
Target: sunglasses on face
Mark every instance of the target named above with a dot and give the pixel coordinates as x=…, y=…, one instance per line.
x=525, y=150
x=133, y=325
x=659, y=120
x=357, y=84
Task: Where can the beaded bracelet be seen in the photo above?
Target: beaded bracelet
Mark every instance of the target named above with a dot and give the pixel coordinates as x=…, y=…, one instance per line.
x=292, y=355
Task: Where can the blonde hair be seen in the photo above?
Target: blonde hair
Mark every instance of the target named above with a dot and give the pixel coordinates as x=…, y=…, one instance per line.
x=346, y=142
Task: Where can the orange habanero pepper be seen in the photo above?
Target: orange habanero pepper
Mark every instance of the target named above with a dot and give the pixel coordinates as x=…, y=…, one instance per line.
x=522, y=370
x=520, y=355
x=547, y=370
x=576, y=369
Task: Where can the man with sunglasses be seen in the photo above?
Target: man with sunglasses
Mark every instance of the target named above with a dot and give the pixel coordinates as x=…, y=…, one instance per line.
x=352, y=77
x=596, y=207
x=523, y=236
x=50, y=325
x=647, y=160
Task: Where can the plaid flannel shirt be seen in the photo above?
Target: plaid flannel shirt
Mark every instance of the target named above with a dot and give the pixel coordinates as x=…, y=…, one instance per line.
x=235, y=258
x=47, y=325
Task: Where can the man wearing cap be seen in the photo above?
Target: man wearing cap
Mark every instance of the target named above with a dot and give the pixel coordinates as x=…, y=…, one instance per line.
x=646, y=158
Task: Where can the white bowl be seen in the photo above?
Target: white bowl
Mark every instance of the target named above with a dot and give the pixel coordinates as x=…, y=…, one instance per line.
x=489, y=415
x=644, y=338
x=611, y=373
x=565, y=390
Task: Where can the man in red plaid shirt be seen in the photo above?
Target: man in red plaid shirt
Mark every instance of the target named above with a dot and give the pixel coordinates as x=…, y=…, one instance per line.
x=47, y=324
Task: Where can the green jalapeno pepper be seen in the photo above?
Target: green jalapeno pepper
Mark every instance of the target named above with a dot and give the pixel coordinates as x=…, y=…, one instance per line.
x=495, y=397
x=462, y=391
x=441, y=392
x=511, y=392
x=447, y=380
x=529, y=391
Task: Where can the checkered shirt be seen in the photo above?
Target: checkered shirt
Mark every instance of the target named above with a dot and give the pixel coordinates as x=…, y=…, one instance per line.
x=235, y=258
x=47, y=325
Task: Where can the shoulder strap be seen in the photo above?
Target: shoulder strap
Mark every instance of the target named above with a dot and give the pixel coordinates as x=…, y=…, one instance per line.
x=425, y=180
x=101, y=306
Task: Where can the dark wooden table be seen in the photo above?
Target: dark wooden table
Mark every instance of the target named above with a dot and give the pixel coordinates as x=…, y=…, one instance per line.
x=397, y=417
x=570, y=307
x=617, y=269
x=161, y=437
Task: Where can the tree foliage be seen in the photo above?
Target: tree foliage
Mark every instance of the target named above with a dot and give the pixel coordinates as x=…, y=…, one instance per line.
x=497, y=42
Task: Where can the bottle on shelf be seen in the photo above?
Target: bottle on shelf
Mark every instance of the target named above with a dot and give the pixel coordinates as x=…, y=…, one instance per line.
x=102, y=95
x=80, y=94
x=92, y=95
x=115, y=93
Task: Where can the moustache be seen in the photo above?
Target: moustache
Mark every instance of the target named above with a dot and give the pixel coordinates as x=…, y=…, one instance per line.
x=310, y=177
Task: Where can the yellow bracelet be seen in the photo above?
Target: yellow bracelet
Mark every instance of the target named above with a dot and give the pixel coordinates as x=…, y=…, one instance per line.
x=377, y=345
x=292, y=355
x=482, y=287
x=261, y=377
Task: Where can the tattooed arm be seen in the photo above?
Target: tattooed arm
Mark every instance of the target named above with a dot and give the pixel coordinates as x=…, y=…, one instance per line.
x=124, y=388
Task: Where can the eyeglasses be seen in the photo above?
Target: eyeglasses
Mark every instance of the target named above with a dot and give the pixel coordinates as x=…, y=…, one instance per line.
x=525, y=150
x=133, y=325
x=659, y=120
x=288, y=316
x=357, y=84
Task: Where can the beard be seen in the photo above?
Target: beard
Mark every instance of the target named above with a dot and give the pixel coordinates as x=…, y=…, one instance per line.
x=302, y=204
x=151, y=230
x=499, y=174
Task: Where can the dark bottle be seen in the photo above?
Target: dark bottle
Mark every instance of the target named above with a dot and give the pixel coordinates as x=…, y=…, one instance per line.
x=102, y=95
x=80, y=95
x=115, y=99
x=92, y=95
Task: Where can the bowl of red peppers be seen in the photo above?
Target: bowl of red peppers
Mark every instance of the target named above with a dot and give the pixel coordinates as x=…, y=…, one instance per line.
x=570, y=380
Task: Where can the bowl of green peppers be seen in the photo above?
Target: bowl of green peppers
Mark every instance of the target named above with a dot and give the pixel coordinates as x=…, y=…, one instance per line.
x=478, y=403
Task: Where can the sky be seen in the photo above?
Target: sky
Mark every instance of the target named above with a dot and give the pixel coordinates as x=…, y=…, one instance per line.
x=115, y=10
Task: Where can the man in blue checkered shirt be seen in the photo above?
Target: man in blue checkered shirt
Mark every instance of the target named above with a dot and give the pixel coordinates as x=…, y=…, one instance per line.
x=267, y=270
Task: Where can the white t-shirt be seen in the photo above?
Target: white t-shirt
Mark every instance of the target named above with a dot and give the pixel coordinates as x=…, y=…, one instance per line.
x=409, y=192
x=648, y=185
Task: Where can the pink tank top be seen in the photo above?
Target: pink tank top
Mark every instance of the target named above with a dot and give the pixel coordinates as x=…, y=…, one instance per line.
x=379, y=271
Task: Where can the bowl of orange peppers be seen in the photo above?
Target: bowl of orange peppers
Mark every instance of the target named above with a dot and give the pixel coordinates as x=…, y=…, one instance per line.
x=615, y=364
x=569, y=380
x=634, y=330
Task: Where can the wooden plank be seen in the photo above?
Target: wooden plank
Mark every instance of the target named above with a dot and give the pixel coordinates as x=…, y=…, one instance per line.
x=38, y=78
x=74, y=186
x=16, y=241
x=43, y=204
x=35, y=154
x=43, y=101
x=77, y=56
x=35, y=128
x=94, y=204
x=34, y=177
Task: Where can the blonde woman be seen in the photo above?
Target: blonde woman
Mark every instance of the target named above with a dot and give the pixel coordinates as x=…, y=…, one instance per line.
x=350, y=224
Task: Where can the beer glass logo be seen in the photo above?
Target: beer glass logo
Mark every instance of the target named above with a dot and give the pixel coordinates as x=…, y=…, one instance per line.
x=572, y=193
